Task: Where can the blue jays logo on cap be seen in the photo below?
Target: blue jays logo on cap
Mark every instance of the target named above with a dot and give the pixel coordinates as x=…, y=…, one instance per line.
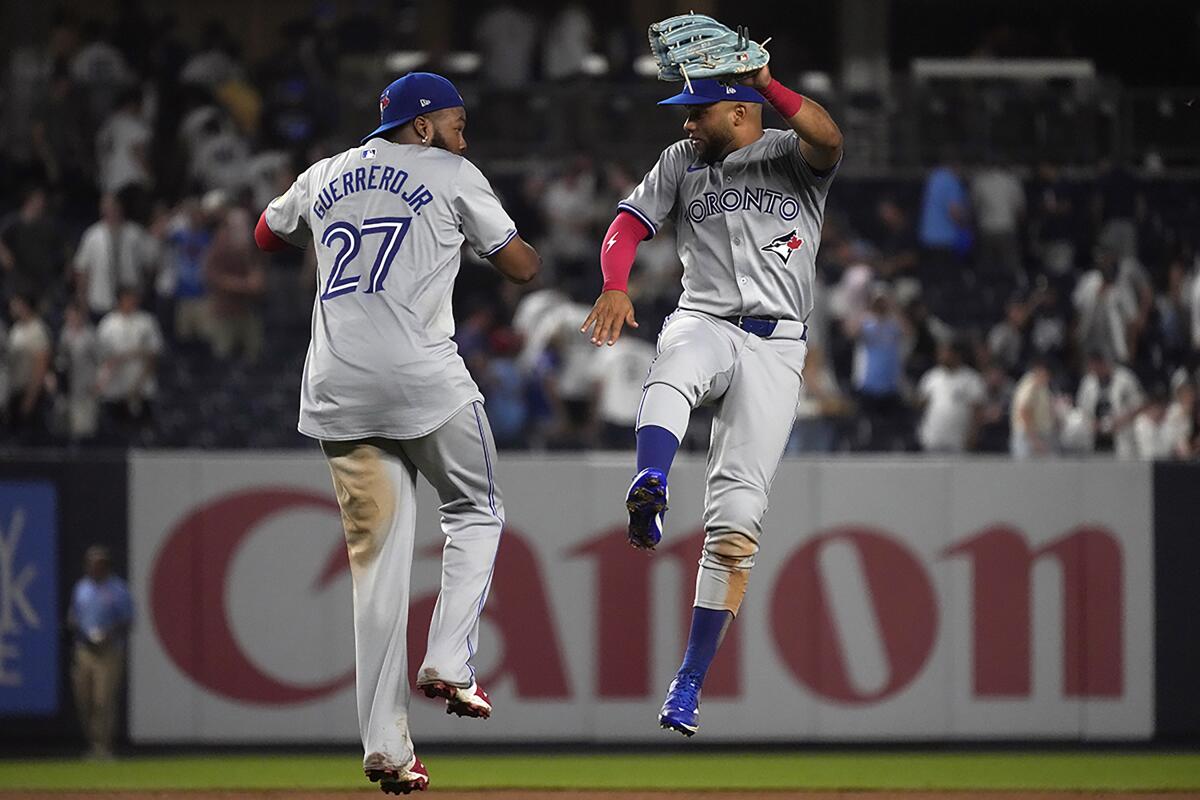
x=412, y=95
x=709, y=90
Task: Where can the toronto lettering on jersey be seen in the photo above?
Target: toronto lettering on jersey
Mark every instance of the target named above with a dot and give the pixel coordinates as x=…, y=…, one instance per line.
x=381, y=178
x=765, y=201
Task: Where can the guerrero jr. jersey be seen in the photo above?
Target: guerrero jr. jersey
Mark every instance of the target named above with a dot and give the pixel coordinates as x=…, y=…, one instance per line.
x=388, y=222
x=747, y=228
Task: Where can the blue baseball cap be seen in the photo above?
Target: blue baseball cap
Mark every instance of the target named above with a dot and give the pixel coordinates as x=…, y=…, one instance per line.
x=710, y=90
x=409, y=97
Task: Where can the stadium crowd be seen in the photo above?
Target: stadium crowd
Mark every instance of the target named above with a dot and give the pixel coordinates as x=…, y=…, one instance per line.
x=983, y=308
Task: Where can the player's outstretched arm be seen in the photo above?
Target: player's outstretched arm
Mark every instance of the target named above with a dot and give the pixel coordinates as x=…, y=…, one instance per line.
x=820, y=137
x=265, y=238
x=517, y=261
x=613, y=310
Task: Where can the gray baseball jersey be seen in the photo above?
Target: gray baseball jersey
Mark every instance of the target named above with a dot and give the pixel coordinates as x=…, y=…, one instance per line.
x=388, y=222
x=747, y=228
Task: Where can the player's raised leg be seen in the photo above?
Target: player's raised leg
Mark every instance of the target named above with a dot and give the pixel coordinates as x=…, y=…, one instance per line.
x=376, y=490
x=695, y=359
x=459, y=460
x=750, y=432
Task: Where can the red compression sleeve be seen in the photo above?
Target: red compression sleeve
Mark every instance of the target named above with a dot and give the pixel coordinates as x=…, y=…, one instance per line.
x=785, y=101
x=619, y=248
x=265, y=238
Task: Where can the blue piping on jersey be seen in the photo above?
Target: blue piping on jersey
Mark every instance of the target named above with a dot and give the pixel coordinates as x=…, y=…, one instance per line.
x=637, y=212
x=500, y=246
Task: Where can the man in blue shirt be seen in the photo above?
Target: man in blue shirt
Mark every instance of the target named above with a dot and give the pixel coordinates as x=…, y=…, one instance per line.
x=878, y=373
x=100, y=615
x=944, y=233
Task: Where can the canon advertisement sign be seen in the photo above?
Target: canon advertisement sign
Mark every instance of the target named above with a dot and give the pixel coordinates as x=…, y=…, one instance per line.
x=892, y=599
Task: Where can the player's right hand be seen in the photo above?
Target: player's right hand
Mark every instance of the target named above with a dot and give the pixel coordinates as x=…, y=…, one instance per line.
x=612, y=311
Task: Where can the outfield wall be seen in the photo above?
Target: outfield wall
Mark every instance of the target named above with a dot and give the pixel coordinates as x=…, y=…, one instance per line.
x=894, y=600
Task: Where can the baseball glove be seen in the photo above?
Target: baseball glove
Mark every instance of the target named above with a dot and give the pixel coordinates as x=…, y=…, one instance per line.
x=697, y=46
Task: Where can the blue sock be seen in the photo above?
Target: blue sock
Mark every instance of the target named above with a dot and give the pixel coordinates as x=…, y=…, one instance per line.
x=656, y=448
x=708, y=629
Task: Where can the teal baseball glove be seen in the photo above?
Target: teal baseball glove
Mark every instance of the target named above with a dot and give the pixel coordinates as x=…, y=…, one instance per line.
x=697, y=46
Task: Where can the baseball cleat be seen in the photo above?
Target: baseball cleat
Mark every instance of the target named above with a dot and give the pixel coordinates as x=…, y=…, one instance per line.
x=413, y=778
x=469, y=702
x=646, y=503
x=681, y=709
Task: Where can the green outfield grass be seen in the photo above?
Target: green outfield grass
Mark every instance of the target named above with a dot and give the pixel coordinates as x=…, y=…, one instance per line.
x=708, y=770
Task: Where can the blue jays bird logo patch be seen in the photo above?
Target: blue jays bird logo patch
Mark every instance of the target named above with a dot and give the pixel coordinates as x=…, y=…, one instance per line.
x=783, y=246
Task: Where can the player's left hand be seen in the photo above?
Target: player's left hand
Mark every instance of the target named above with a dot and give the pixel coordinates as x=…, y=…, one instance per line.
x=758, y=80
x=612, y=311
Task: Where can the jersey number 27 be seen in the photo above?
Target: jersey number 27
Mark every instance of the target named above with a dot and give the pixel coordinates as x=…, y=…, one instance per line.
x=349, y=239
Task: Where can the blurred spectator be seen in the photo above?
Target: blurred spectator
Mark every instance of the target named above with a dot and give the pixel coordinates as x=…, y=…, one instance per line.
x=502, y=383
x=620, y=373
x=123, y=146
x=951, y=396
x=994, y=427
x=1032, y=420
x=100, y=70
x=926, y=333
x=1178, y=430
x=27, y=356
x=214, y=63
x=236, y=280
x=1048, y=328
x=1107, y=309
x=897, y=241
x=850, y=298
x=820, y=407
x=506, y=37
x=62, y=139
x=1172, y=310
x=32, y=249
x=1007, y=342
x=559, y=362
x=114, y=252
x=99, y=618
x=3, y=375
x=943, y=232
x=567, y=43
x=220, y=156
x=998, y=200
x=878, y=372
x=78, y=361
x=1117, y=203
x=1148, y=436
x=1052, y=220
x=1110, y=396
x=570, y=244
x=188, y=241
x=130, y=343
x=1195, y=305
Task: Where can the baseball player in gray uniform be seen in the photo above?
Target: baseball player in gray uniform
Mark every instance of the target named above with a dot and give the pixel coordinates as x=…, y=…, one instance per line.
x=388, y=396
x=747, y=205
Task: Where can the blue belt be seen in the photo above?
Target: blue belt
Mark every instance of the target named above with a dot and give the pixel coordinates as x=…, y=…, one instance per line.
x=759, y=326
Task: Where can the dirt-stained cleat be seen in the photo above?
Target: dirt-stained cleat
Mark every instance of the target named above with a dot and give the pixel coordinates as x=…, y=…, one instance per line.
x=392, y=780
x=469, y=702
x=646, y=503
